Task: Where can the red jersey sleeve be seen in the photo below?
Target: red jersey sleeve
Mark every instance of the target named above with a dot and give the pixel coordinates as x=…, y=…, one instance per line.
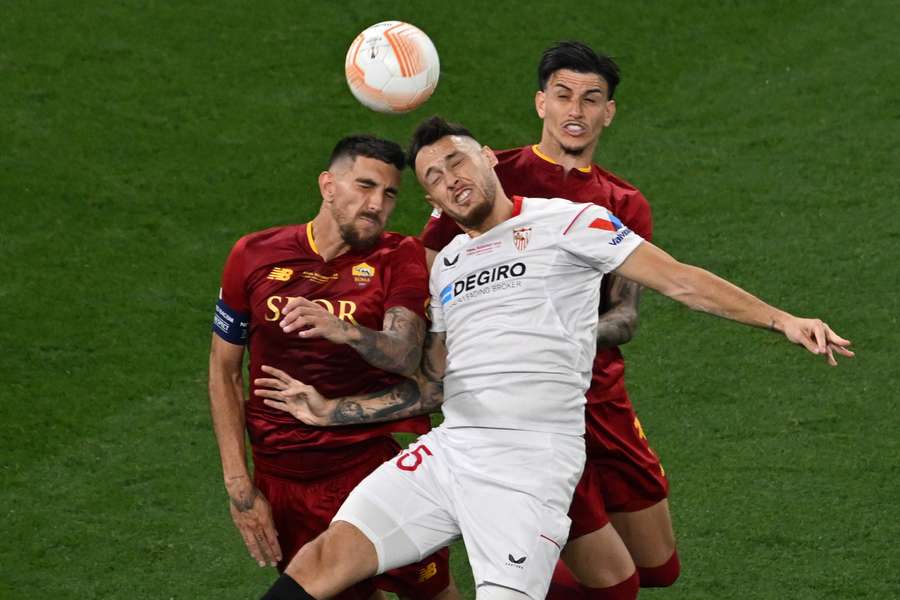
x=407, y=282
x=231, y=319
x=234, y=292
x=634, y=211
x=439, y=231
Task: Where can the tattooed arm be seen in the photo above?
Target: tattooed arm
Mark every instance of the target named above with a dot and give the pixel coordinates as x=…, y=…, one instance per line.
x=421, y=394
x=618, y=312
x=397, y=348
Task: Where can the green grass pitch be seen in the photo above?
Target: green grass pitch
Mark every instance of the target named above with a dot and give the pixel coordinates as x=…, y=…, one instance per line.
x=140, y=139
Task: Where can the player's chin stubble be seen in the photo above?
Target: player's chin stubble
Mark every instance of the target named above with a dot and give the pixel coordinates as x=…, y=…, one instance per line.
x=356, y=240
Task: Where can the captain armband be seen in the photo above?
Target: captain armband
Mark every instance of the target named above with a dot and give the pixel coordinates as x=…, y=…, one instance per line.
x=229, y=324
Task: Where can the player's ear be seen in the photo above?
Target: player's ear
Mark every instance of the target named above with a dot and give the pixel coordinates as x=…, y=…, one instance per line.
x=489, y=156
x=610, y=112
x=326, y=186
x=539, y=99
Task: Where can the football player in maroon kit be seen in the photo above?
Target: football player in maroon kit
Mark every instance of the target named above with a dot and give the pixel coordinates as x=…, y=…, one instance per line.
x=374, y=285
x=621, y=535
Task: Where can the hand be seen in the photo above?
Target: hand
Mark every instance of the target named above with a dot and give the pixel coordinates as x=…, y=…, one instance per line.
x=817, y=337
x=252, y=515
x=285, y=393
x=314, y=321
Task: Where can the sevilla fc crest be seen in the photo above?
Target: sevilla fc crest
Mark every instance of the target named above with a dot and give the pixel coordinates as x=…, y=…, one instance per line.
x=521, y=235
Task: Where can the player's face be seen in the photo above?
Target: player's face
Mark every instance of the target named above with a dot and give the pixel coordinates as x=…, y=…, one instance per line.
x=458, y=177
x=362, y=194
x=575, y=108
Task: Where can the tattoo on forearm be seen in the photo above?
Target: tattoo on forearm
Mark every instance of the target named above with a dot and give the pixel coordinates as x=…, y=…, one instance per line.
x=406, y=399
x=397, y=347
x=618, y=314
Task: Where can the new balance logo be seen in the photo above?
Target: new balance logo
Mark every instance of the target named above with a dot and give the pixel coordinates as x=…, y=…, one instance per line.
x=516, y=561
x=280, y=274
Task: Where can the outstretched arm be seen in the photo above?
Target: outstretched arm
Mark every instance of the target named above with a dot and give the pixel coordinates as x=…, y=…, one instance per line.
x=701, y=290
x=422, y=394
x=397, y=348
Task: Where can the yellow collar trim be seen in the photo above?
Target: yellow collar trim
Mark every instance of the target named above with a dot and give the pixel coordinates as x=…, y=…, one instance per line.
x=310, y=239
x=540, y=154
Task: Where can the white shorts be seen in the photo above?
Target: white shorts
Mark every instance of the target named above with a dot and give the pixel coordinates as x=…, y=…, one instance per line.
x=506, y=492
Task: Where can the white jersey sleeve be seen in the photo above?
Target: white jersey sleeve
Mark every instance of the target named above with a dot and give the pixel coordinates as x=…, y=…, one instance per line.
x=436, y=309
x=598, y=239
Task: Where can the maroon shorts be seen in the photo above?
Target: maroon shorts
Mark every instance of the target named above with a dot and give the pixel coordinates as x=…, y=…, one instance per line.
x=621, y=474
x=303, y=508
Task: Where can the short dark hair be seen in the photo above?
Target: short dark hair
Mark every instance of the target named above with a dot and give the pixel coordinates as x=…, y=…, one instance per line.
x=369, y=146
x=580, y=58
x=428, y=132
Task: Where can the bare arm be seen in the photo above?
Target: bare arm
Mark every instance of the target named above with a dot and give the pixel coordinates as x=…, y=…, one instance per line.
x=618, y=312
x=701, y=290
x=249, y=509
x=397, y=348
x=421, y=394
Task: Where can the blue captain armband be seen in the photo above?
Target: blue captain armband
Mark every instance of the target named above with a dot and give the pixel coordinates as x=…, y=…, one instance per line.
x=230, y=325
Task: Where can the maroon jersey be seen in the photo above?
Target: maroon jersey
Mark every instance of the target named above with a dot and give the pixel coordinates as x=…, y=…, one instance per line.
x=526, y=172
x=266, y=269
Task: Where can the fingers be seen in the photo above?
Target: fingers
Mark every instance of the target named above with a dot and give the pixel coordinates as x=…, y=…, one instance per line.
x=818, y=333
x=254, y=540
x=269, y=551
x=282, y=406
x=275, y=384
x=842, y=350
x=271, y=538
x=277, y=373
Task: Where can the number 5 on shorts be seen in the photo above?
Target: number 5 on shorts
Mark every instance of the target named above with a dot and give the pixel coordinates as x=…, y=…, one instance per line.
x=406, y=465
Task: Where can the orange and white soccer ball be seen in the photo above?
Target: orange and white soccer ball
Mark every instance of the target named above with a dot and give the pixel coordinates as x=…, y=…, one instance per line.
x=392, y=67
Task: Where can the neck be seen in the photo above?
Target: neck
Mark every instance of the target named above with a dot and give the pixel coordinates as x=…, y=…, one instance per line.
x=552, y=149
x=327, y=236
x=503, y=208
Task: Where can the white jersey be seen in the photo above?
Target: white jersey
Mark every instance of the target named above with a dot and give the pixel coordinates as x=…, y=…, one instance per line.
x=520, y=305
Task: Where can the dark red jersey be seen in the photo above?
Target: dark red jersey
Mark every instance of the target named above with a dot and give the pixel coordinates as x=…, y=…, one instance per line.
x=266, y=269
x=526, y=172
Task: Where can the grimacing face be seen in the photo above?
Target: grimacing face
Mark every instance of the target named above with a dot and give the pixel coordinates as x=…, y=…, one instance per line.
x=576, y=109
x=361, y=194
x=458, y=176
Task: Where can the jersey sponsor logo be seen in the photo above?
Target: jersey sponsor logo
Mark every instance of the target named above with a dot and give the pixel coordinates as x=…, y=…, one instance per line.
x=484, y=282
x=521, y=235
x=281, y=274
x=318, y=277
x=362, y=273
x=342, y=309
x=623, y=233
x=427, y=572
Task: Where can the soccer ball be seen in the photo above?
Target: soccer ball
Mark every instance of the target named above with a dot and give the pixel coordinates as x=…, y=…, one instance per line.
x=392, y=67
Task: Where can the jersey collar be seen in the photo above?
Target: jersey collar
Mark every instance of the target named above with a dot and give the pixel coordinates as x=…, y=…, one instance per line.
x=541, y=155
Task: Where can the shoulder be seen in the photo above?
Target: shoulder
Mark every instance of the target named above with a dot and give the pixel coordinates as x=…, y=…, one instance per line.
x=397, y=242
x=274, y=236
x=621, y=190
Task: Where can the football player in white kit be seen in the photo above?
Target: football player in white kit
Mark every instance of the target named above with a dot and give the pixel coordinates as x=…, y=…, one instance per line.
x=508, y=359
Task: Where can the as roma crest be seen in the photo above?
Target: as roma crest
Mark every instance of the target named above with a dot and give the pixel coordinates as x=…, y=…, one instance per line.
x=521, y=235
x=363, y=273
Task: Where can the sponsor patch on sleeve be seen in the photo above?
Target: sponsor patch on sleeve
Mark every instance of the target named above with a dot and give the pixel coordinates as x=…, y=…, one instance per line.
x=229, y=324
